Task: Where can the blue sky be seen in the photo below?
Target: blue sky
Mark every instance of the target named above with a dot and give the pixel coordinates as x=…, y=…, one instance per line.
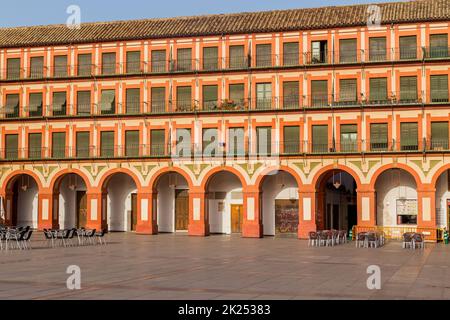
x=32, y=12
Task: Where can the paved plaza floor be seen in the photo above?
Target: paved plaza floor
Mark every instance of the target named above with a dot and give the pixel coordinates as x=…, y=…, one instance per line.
x=169, y=266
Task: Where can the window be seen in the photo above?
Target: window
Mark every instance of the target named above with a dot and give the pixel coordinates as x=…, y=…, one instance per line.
x=377, y=49
x=35, y=107
x=237, y=99
x=59, y=107
x=319, y=52
x=134, y=62
x=132, y=143
x=157, y=140
x=439, y=135
x=184, y=59
x=409, y=136
x=237, y=57
x=35, y=145
x=210, y=58
x=82, y=144
x=319, y=93
x=210, y=97
x=348, y=92
x=408, y=89
x=58, y=145
x=183, y=147
x=107, y=144
x=159, y=61
x=108, y=102
x=439, y=88
x=84, y=64
x=12, y=106
x=348, y=50
x=349, y=138
x=263, y=95
x=264, y=141
x=210, y=142
x=158, y=99
x=378, y=90
x=37, y=67
x=184, y=96
x=60, y=66
x=12, y=146
x=133, y=99
x=263, y=55
x=291, y=95
x=13, y=68
x=379, y=136
x=439, y=46
x=290, y=53
x=83, y=103
x=406, y=211
x=109, y=63
x=291, y=139
x=408, y=47
x=319, y=138
x=236, y=138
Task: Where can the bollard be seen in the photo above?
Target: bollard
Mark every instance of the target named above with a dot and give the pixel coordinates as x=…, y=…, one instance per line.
x=446, y=237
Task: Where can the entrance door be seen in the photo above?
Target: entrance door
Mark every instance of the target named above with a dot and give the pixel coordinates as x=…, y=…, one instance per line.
x=336, y=216
x=352, y=216
x=286, y=216
x=181, y=210
x=81, y=209
x=133, y=211
x=237, y=218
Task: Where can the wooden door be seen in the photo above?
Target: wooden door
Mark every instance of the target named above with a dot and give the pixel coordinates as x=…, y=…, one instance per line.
x=286, y=216
x=181, y=210
x=81, y=209
x=237, y=218
x=133, y=211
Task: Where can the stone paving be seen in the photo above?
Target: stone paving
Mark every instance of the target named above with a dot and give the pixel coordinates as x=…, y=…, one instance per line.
x=171, y=266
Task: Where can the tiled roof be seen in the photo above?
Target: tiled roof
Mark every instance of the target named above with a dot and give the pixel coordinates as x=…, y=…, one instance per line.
x=253, y=22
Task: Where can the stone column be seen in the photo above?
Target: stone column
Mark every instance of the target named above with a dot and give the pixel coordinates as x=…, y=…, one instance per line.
x=198, y=217
x=366, y=204
x=147, y=213
x=306, y=211
x=252, y=223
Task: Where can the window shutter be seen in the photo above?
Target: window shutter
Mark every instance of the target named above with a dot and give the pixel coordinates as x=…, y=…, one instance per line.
x=108, y=103
x=439, y=45
x=60, y=65
x=264, y=140
x=109, y=63
x=209, y=135
x=379, y=136
x=291, y=94
x=290, y=53
x=59, y=145
x=291, y=139
x=133, y=98
x=157, y=142
x=320, y=138
x=349, y=136
x=159, y=61
x=236, y=141
x=210, y=58
x=263, y=95
x=35, y=108
x=210, y=97
x=439, y=88
x=408, y=89
x=107, y=144
x=132, y=143
x=59, y=103
x=348, y=90
x=319, y=92
x=237, y=57
x=408, y=47
x=184, y=98
x=84, y=64
x=439, y=135
x=37, y=67
x=82, y=144
x=183, y=146
x=158, y=99
x=237, y=92
x=34, y=145
x=378, y=90
x=263, y=55
x=377, y=49
x=12, y=105
x=13, y=68
x=83, y=102
x=12, y=146
x=348, y=50
x=184, y=59
x=133, y=61
x=409, y=136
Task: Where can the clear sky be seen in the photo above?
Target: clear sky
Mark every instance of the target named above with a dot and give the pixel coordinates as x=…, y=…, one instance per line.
x=38, y=12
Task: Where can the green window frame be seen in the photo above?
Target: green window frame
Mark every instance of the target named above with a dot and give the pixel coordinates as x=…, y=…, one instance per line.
x=134, y=62
x=132, y=143
x=107, y=149
x=291, y=135
x=319, y=93
x=83, y=103
x=108, y=63
x=348, y=91
x=264, y=95
x=36, y=67
x=408, y=47
x=408, y=89
x=158, y=103
x=237, y=96
x=378, y=90
x=158, y=142
x=12, y=105
x=184, y=59
x=439, y=46
x=183, y=144
x=82, y=144
x=409, y=136
x=13, y=69
x=133, y=100
x=439, y=88
x=58, y=145
x=210, y=58
x=60, y=66
x=439, y=135
x=35, y=107
x=291, y=95
x=291, y=54
x=348, y=50
x=59, y=105
x=108, y=102
x=319, y=138
x=237, y=57
x=184, y=98
x=377, y=49
x=349, y=137
x=35, y=145
x=11, y=146
x=264, y=141
x=159, y=62
x=379, y=140
x=209, y=136
x=84, y=67
x=263, y=55
x=236, y=141
x=210, y=97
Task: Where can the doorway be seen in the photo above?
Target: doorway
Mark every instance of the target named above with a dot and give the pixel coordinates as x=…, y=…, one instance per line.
x=133, y=215
x=237, y=218
x=81, y=209
x=181, y=210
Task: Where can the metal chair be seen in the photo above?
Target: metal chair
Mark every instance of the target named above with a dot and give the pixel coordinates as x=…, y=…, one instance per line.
x=407, y=240
x=418, y=241
x=313, y=239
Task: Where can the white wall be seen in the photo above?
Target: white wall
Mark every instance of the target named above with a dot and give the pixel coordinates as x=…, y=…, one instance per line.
x=67, y=202
x=167, y=185
x=281, y=186
x=27, y=204
x=442, y=195
x=120, y=188
x=390, y=187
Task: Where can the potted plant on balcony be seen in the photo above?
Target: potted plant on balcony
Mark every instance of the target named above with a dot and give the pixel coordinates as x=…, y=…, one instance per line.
x=229, y=105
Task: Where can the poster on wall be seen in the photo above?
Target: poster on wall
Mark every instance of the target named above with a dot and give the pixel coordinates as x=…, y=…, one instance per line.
x=407, y=207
